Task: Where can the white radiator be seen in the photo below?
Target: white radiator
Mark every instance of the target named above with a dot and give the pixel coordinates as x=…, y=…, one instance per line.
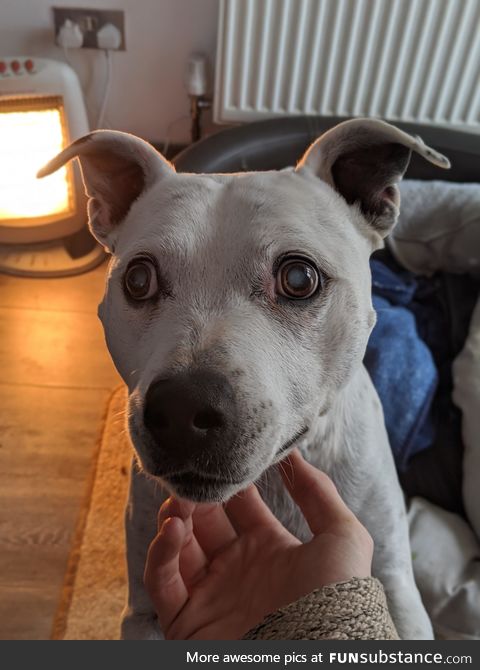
x=408, y=60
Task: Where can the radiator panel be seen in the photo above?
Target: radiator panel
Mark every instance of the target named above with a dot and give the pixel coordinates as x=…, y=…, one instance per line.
x=407, y=60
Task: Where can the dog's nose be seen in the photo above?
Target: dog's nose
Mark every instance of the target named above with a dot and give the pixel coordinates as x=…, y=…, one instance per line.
x=190, y=412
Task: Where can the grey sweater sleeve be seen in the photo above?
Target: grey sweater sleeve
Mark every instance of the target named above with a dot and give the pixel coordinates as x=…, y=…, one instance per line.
x=352, y=610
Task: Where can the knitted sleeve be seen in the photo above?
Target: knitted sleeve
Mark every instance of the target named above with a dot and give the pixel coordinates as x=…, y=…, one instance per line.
x=352, y=610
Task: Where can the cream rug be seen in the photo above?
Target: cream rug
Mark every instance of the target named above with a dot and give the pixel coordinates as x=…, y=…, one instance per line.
x=94, y=590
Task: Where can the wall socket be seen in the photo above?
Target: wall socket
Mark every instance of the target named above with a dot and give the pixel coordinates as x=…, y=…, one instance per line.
x=90, y=21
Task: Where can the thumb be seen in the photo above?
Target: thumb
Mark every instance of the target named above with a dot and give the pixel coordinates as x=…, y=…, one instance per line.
x=315, y=494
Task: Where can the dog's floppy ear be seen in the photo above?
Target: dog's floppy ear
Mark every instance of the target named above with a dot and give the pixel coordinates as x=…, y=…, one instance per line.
x=116, y=168
x=364, y=159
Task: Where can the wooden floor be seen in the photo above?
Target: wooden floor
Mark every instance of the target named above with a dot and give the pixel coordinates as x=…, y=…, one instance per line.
x=55, y=380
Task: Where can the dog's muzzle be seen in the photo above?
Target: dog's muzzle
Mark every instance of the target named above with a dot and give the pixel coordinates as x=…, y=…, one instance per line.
x=192, y=418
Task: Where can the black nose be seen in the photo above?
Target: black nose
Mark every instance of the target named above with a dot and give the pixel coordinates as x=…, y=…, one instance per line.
x=190, y=412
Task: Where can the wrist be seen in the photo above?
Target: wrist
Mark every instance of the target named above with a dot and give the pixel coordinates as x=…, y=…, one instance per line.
x=352, y=609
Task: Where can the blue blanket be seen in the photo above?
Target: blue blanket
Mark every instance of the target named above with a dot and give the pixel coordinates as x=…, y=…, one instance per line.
x=400, y=363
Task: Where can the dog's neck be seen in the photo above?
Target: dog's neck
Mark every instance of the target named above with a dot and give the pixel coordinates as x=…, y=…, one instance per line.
x=342, y=443
x=339, y=438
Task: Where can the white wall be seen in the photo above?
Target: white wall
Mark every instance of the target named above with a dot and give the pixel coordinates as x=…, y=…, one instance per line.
x=147, y=91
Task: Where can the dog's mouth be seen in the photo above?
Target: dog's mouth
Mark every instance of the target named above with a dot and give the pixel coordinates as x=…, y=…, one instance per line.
x=209, y=487
x=289, y=443
x=201, y=487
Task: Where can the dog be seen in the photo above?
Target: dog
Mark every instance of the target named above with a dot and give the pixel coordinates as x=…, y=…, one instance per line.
x=237, y=311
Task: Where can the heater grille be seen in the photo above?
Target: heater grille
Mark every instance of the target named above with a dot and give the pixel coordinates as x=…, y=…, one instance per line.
x=404, y=60
x=32, y=129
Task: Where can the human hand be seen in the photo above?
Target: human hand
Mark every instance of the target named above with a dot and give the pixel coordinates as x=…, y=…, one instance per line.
x=214, y=572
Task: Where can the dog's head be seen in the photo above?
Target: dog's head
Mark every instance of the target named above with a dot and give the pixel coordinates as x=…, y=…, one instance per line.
x=238, y=305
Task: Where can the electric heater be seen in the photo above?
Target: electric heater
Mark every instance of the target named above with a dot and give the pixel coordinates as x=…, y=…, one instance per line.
x=42, y=221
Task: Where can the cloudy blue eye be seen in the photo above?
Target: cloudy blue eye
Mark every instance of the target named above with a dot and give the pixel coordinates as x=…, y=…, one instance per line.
x=297, y=279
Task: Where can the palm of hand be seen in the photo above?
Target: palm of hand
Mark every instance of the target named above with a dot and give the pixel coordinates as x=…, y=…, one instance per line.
x=214, y=573
x=238, y=589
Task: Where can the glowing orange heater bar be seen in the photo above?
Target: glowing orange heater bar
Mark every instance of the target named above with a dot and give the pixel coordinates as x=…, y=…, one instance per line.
x=32, y=131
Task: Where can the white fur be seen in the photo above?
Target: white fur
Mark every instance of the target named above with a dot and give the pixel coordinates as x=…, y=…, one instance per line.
x=216, y=234
x=216, y=238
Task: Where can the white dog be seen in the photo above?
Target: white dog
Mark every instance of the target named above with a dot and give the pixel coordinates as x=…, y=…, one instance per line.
x=237, y=310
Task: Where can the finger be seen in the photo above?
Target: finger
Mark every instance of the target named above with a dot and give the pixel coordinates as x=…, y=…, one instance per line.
x=175, y=507
x=212, y=528
x=193, y=562
x=162, y=577
x=315, y=494
x=247, y=510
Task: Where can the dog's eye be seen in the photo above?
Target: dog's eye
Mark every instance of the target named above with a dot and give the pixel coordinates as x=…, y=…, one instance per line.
x=297, y=279
x=141, y=280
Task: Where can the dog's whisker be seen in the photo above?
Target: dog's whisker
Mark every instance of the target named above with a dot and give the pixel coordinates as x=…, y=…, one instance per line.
x=288, y=462
x=282, y=468
x=262, y=484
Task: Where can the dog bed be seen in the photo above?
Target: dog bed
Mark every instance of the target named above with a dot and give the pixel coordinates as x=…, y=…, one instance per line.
x=439, y=230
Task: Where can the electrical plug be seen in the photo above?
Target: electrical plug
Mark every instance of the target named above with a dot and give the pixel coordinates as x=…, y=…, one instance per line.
x=70, y=35
x=109, y=37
